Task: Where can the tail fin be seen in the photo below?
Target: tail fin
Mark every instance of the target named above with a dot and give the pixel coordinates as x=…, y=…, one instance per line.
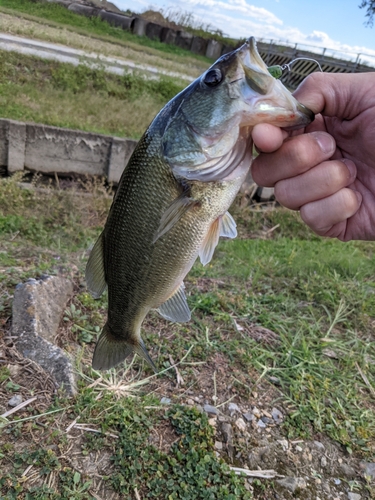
x=111, y=350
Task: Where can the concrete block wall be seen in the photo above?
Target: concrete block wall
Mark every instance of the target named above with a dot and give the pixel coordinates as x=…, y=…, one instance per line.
x=47, y=149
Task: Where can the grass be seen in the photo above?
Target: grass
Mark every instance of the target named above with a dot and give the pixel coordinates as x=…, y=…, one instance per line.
x=67, y=96
x=312, y=300
x=59, y=17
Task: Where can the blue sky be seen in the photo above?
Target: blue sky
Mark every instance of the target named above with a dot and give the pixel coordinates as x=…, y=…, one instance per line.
x=337, y=24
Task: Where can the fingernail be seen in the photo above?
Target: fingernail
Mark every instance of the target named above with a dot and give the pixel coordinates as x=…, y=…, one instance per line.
x=325, y=141
x=350, y=165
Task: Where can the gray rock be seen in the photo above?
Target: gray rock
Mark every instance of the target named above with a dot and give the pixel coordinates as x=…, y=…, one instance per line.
x=240, y=424
x=354, y=496
x=15, y=400
x=227, y=432
x=261, y=424
x=323, y=462
x=292, y=483
x=165, y=401
x=319, y=445
x=267, y=420
x=210, y=409
x=249, y=416
x=277, y=415
x=368, y=468
x=337, y=481
x=38, y=306
x=348, y=471
x=232, y=408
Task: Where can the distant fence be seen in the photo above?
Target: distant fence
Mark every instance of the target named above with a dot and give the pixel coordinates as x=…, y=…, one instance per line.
x=276, y=54
x=272, y=52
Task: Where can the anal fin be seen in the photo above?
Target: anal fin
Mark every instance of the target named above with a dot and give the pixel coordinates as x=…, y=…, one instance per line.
x=95, y=276
x=176, y=308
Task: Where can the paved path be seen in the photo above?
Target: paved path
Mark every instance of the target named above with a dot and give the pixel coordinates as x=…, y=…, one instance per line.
x=63, y=53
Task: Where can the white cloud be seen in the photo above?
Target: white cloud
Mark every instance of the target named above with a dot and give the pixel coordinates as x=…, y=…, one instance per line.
x=240, y=19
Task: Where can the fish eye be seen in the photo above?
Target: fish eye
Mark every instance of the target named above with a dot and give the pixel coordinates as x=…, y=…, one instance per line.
x=213, y=77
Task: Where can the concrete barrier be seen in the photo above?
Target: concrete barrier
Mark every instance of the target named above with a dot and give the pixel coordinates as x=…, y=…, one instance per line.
x=199, y=45
x=184, y=40
x=168, y=35
x=214, y=49
x=46, y=149
x=118, y=20
x=153, y=31
x=83, y=10
x=139, y=26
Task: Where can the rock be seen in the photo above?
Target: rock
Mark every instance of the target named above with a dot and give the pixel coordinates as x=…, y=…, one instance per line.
x=292, y=483
x=212, y=422
x=240, y=424
x=14, y=370
x=190, y=402
x=261, y=424
x=319, y=445
x=284, y=443
x=256, y=412
x=323, y=462
x=210, y=409
x=249, y=416
x=267, y=420
x=38, y=306
x=232, y=408
x=299, y=448
x=218, y=445
x=348, y=471
x=354, y=496
x=277, y=415
x=15, y=400
x=337, y=481
x=368, y=468
x=165, y=401
x=227, y=432
x=274, y=380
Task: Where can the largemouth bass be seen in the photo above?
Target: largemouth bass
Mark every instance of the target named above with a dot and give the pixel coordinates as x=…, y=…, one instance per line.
x=172, y=200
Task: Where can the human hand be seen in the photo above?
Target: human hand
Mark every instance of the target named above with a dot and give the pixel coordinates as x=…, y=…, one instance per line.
x=327, y=171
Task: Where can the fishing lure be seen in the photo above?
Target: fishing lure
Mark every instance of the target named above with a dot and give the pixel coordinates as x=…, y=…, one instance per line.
x=277, y=70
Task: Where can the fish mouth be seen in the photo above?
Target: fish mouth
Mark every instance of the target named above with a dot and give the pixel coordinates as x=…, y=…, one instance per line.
x=266, y=96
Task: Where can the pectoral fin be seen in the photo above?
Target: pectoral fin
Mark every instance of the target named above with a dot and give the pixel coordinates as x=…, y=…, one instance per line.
x=210, y=242
x=228, y=227
x=95, y=277
x=177, y=209
x=222, y=226
x=176, y=308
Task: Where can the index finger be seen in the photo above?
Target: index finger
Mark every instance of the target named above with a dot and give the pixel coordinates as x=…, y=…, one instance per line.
x=268, y=138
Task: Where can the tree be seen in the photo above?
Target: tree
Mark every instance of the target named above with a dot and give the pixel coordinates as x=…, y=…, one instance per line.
x=370, y=6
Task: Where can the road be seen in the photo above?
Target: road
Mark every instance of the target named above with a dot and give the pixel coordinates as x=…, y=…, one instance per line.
x=66, y=54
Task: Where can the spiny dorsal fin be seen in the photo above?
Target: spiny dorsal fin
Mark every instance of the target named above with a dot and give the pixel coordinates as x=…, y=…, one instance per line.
x=173, y=214
x=210, y=242
x=111, y=350
x=176, y=308
x=95, y=277
x=228, y=227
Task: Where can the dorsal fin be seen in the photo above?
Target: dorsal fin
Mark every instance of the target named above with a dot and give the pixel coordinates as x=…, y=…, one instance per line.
x=176, y=308
x=95, y=276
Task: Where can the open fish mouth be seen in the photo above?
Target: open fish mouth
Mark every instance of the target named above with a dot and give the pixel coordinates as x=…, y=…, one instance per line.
x=269, y=99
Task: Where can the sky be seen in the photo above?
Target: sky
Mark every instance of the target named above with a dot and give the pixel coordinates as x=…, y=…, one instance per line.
x=334, y=24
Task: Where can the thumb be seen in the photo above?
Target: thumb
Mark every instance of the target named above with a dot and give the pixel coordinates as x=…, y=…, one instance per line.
x=338, y=95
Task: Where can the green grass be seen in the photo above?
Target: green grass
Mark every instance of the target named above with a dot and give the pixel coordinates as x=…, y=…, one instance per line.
x=89, y=26
x=70, y=96
x=317, y=296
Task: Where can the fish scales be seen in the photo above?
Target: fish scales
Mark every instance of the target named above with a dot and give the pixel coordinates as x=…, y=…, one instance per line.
x=172, y=200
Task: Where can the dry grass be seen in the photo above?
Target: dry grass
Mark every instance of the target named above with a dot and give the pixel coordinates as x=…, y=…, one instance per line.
x=42, y=30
